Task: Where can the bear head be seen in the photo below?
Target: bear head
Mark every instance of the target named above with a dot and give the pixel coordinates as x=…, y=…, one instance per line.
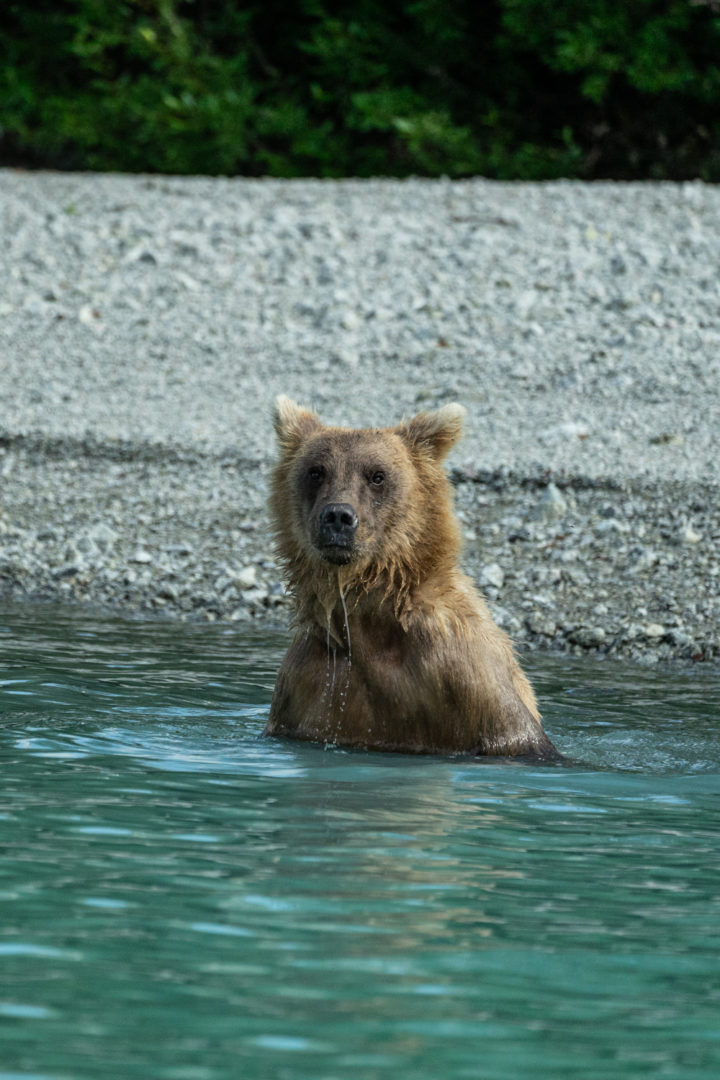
x=367, y=506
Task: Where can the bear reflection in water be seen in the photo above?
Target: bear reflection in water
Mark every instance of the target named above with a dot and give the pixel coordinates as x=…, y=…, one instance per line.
x=394, y=649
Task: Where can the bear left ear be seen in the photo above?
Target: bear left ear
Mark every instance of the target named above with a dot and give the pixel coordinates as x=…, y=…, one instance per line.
x=436, y=432
x=292, y=422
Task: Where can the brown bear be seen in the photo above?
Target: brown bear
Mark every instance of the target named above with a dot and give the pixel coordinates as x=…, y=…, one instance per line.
x=394, y=649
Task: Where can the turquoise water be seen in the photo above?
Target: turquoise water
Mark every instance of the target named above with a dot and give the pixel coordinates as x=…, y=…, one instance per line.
x=183, y=899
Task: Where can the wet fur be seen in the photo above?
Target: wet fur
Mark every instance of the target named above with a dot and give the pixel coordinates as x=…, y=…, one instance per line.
x=394, y=650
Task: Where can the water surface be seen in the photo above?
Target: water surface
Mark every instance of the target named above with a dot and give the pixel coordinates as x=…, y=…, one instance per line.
x=181, y=898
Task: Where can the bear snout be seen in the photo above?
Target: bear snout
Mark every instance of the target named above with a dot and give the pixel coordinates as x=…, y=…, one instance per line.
x=337, y=525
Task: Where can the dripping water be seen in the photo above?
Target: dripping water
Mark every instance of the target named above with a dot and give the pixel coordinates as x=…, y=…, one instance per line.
x=347, y=627
x=329, y=685
x=346, y=685
x=328, y=692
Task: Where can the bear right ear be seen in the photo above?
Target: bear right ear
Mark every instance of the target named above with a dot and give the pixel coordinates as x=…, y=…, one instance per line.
x=292, y=422
x=434, y=432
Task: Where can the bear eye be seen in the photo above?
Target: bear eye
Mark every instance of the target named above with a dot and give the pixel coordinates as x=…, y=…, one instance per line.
x=316, y=474
x=378, y=478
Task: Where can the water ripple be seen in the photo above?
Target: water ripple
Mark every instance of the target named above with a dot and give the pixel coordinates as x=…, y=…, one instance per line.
x=184, y=899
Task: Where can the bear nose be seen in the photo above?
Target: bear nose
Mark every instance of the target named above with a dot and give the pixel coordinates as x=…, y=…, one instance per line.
x=338, y=522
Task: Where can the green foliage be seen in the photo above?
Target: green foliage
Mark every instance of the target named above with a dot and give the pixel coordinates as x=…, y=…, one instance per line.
x=504, y=88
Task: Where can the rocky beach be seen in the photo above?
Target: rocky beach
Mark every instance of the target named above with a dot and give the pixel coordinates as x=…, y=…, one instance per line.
x=147, y=323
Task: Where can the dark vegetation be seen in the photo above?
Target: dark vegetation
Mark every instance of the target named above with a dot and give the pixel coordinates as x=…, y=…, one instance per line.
x=503, y=88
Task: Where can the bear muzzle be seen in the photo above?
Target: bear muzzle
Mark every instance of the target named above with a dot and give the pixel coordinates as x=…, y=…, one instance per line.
x=335, y=535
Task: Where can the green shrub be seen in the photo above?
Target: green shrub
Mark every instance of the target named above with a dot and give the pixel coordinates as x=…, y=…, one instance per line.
x=505, y=88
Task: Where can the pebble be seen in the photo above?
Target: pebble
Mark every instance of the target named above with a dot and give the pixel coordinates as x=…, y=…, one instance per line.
x=145, y=336
x=247, y=576
x=551, y=505
x=542, y=625
x=589, y=637
x=492, y=575
x=351, y=320
x=689, y=536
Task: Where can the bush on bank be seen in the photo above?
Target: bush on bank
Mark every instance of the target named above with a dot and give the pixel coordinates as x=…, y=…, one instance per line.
x=503, y=88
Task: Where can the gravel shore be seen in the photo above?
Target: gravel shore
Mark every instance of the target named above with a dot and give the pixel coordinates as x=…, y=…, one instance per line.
x=147, y=323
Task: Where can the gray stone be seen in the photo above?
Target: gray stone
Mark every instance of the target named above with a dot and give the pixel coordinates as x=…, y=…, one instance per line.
x=551, y=505
x=542, y=625
x=688, y=535
x=588, y=637
x=103, y=536
x=247, y=576
x=492, y=575
x=585, y=362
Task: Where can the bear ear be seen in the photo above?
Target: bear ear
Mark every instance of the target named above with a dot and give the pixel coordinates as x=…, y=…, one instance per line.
x=435, y=432
x=292, y=422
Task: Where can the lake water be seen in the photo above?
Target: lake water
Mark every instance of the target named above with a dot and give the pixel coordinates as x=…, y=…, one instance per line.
x=183, y=899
